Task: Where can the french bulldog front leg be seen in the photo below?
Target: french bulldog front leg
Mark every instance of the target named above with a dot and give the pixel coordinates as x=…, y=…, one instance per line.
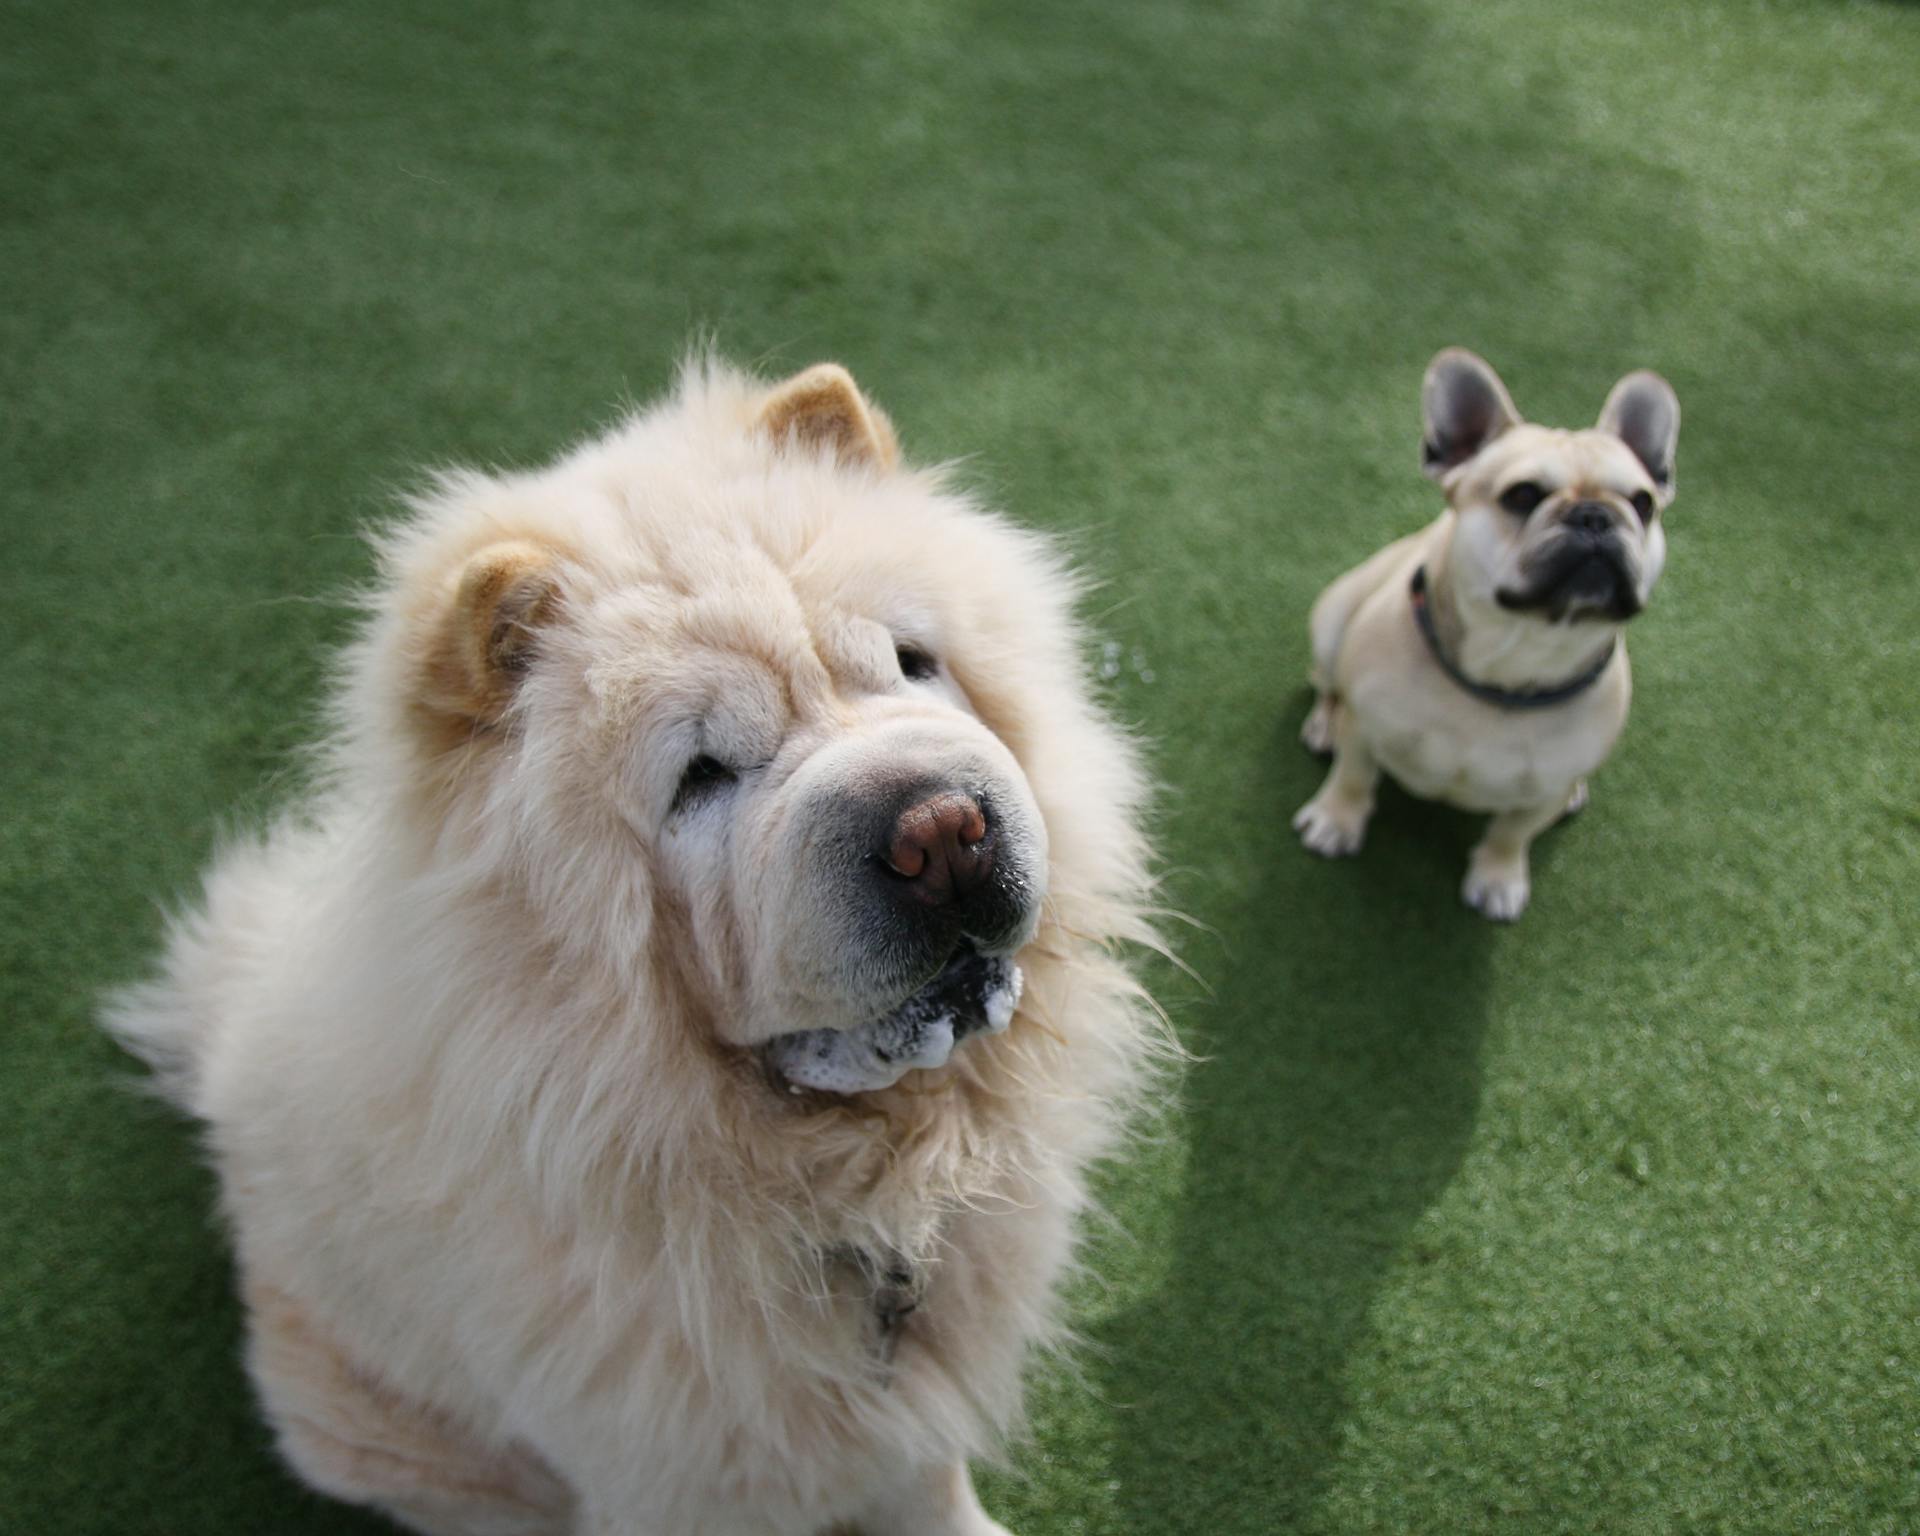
x=1497, y=884
x=1316, y=731
x=1334, y=822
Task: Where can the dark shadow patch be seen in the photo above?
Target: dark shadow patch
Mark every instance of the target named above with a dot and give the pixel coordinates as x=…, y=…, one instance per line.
x=1339, y=1090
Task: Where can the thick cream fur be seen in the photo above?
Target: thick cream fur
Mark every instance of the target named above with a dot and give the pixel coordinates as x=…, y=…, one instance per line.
x=470, y=1029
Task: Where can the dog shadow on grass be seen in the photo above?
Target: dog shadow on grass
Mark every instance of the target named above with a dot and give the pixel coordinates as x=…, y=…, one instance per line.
x=1339, y=1086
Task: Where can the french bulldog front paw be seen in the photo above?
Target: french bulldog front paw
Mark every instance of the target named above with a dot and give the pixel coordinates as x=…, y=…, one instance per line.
x=1331, y=830
x=1498, y=892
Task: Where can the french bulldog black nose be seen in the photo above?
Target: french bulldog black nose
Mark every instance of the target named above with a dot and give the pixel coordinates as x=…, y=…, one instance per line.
x=940, y=847
x=1589, y=517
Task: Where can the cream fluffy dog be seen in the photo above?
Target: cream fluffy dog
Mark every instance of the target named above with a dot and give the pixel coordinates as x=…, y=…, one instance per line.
x=621, y=1108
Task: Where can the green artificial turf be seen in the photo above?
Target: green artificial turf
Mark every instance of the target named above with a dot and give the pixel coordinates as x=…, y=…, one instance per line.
x=1606, y=1222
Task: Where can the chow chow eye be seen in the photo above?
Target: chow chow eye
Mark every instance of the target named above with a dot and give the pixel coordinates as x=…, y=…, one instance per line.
x=1643, y=504
x=916, y=665
x=703, y=777
x=1522, y=498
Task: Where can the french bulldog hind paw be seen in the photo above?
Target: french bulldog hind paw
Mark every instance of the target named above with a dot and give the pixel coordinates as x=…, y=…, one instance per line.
x=1331, y=834
x=1316, y=731
x=1502, y=897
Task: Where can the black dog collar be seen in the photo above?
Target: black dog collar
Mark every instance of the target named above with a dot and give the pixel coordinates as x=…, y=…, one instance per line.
x=1503, y=698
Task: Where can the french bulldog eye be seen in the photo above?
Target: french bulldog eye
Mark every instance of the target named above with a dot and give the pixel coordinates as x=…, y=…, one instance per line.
x=704, y=777
x=916, y=665
x=1643, y=504
x=1522, y=498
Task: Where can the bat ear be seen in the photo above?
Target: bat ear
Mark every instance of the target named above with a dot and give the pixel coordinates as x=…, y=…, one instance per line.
x=823, y=408
x=1463, y=407
x=1644, y=413
x=480, y=642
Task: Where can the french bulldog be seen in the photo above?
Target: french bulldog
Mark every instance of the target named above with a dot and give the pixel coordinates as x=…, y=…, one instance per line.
x=1482, y=661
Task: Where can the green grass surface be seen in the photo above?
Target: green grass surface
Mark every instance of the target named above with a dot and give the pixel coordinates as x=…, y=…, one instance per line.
x=1607, y=1222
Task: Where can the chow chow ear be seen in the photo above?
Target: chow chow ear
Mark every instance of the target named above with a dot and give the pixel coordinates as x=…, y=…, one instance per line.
x=483, y=636
x=1463, y=407
x=1644, y=413
x=823, y=407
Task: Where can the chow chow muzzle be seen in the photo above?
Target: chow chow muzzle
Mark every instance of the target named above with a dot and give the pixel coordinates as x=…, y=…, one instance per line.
x=917, y=872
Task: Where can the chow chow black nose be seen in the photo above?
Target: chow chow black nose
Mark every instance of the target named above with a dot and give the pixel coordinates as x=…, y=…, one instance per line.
x=940, y=847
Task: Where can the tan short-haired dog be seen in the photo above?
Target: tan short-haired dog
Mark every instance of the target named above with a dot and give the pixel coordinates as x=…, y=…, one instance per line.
x=1481, y=661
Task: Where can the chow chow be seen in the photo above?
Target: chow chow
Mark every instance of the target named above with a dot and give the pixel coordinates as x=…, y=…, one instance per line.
x=653, y=1076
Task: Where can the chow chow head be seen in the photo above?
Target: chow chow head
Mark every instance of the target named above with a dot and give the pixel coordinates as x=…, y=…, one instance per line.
x=1564, y=525
x=733, y=708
